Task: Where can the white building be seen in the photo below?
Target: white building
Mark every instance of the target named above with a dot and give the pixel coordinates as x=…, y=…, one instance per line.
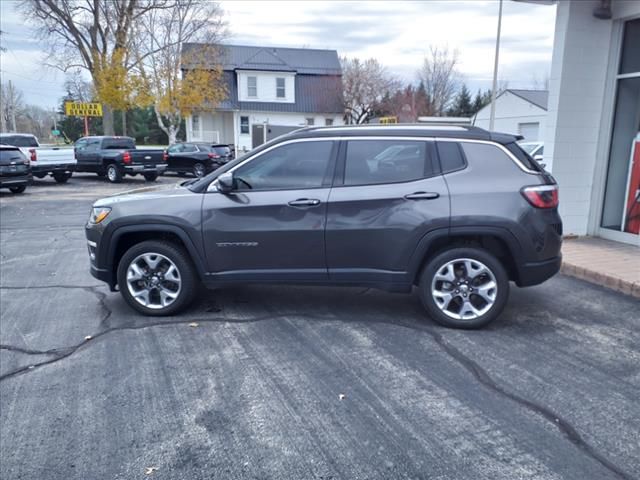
x=270, y=91
x=593, y=119
x=521, y=112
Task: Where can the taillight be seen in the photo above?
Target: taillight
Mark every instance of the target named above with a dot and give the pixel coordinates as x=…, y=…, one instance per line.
x=126, y=157
x=541, y=196
x=165, y=156
x=214, y=155
x=34, y=155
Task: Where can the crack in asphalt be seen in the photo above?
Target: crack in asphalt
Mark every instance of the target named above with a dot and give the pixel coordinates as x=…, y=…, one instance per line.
x=470, y=365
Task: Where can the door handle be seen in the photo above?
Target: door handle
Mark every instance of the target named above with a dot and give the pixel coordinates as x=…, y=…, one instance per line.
x=422, y=196
x=304, y=202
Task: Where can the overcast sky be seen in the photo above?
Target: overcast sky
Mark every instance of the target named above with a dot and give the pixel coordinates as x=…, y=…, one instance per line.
x=396, y=33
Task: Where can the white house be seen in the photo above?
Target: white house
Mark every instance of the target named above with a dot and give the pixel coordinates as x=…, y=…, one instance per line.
x=521, y=112
x=592, y=131
x=270, y=91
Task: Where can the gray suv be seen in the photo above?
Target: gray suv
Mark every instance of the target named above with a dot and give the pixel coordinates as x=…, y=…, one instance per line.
x=457, y=212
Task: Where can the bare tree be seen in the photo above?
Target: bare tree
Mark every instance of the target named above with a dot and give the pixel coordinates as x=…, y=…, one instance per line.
x=364, y=85
x=11, y=106
x=440, y=77
x=88, y=34
x=175, y=53
x=78, y=87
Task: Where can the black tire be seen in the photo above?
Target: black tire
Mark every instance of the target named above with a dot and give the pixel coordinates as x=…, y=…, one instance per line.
x=199, y=170
x=114, y=175
x=151, y=177
x=61, y=177
x=439, y=262
x=39, y=175
x=19, y=189
x=181, y=260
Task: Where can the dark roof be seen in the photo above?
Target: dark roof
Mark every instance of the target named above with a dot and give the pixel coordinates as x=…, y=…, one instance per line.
x=540, y=98
x=314, y=94
x=301, y=60
x=406, y=130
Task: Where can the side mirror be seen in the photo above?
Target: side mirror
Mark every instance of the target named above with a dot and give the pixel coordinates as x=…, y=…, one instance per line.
x=225, y=182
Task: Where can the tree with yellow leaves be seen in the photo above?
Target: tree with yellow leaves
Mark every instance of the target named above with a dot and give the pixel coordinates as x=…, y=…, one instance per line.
x=179, y=81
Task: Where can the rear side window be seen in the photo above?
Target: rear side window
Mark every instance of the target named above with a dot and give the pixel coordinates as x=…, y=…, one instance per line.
x=370, y=162
x=19, y=141
x=118, y=144
x=451, y=157
x=524, y=157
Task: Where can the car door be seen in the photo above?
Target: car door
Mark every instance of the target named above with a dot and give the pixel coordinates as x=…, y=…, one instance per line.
x=271, y=226
x=87, y=154
x=387, y=196
x=173, y=156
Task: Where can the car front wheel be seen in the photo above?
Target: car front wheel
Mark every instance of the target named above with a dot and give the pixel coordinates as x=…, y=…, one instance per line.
x=464, y=288
x=156, y=278
x=19, y=189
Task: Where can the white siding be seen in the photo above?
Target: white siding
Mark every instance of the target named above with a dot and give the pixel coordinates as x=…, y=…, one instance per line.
x=511, y=111
x=266, y=82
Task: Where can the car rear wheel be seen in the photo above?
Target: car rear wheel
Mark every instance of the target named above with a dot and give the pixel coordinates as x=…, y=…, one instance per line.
x=464, y=288
x=114, y=175
x=151, y=177
x=61, y=177
x=157, y=278
x=198, y=169
x=19, y=189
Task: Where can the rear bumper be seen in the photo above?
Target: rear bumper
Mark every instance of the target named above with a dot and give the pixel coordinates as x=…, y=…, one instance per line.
x=536, y=273
x=59, y=168
x=15, y=181
x=159, y=168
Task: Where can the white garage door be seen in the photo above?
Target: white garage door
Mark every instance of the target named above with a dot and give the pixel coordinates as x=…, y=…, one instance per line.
x=529, y=131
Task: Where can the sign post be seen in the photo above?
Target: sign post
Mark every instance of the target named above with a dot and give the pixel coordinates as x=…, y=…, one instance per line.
x=86, y=110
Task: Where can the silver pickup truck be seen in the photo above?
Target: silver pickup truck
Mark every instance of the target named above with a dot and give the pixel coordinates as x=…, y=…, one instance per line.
x=59, y=162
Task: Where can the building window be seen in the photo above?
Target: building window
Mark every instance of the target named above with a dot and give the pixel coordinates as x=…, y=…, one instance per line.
x=195, y=122
x=252, y=86
x=310, y=121
x=244, y=125
x=621, y=207
x=328, y=122
x=280, y=92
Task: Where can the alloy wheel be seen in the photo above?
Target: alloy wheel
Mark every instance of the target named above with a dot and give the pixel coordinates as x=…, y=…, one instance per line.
x=153, y=280
x=464, y=289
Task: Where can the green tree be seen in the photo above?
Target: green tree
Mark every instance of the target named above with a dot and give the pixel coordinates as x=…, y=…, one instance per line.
x=462, y=106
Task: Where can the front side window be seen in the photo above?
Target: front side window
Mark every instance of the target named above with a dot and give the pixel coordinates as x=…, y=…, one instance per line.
x=252, y=86
x=371, y=162
x=293, y=166
x=189, y=148
x=175, y=148
x=244, y=125
x=280, y=90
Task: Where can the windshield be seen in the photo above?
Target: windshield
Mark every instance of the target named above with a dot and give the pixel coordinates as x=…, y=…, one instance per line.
x=19, y=140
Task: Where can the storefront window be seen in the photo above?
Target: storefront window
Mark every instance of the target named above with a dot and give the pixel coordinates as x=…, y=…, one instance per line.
x=621, y=209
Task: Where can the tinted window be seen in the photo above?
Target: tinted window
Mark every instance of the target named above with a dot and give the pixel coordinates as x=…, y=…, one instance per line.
x=118, y=143
x=293, y=166
x=93, y=144
x=451, y=158
x=19, y=141
x=523, y=156
x=223, y=151
x=9, y=154
x=189, y=148
x=177, y=148
x=386, y=161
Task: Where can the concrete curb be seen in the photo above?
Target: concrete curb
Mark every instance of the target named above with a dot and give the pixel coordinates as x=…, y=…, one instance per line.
x=602, y=279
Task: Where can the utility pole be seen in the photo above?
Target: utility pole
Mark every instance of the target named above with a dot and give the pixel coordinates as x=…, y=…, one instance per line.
x=492, y=118
x=12, y=107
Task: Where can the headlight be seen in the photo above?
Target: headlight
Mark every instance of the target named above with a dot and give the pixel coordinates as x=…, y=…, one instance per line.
x=98, y=214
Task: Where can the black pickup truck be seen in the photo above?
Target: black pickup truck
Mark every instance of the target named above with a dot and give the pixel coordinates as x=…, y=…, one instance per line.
x=115, y=157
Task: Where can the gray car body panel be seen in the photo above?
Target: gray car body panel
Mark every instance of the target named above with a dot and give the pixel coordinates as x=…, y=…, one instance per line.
x=365, y=235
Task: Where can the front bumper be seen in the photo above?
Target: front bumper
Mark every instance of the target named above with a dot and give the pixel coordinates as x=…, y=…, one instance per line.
x=159, y=168
x=537, y=272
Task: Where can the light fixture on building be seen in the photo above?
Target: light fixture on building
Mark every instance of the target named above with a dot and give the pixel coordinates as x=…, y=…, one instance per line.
x=603, y=11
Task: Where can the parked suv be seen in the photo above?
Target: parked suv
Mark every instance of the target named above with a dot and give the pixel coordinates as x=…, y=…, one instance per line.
x=15, y=172
x=457, y=212
x=197, y=158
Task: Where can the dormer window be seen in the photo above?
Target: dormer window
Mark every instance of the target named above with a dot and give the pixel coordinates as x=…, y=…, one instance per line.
x=280, y=90
x=252, y=87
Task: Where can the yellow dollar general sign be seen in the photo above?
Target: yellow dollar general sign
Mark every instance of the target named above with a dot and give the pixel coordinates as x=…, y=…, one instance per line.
x=75, y=109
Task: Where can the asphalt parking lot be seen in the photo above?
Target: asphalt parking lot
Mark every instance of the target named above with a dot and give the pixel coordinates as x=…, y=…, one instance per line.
x=285, y=382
